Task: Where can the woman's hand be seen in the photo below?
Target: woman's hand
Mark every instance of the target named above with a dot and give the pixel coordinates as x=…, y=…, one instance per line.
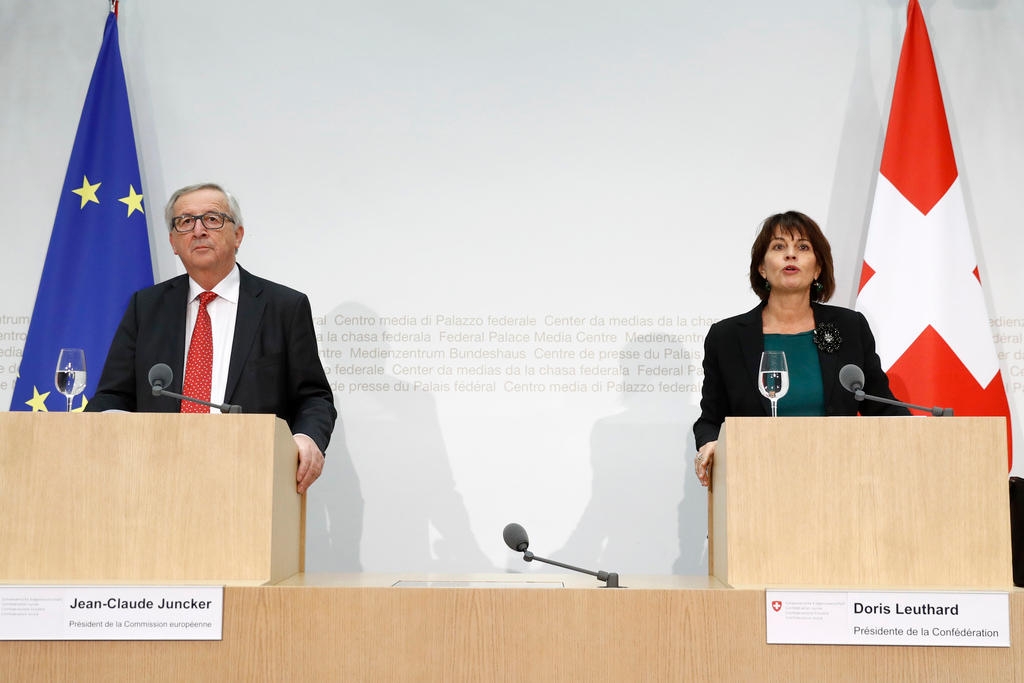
x=702, y=463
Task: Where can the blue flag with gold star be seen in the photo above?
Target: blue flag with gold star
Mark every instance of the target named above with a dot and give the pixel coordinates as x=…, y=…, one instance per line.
x=99, y=248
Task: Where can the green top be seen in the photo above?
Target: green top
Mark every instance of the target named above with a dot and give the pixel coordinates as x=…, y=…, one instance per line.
x=806, y=395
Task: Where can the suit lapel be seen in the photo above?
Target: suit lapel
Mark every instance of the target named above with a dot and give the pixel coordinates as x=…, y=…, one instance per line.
x=247, y=321
x=164, y=342
x=827, y=361
x=751, y=346
x=171, y=345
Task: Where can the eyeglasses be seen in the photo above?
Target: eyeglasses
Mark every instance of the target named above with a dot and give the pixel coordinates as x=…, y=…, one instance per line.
x=212, y=220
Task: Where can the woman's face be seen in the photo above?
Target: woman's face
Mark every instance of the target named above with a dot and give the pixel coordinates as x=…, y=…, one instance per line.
x=789, y=265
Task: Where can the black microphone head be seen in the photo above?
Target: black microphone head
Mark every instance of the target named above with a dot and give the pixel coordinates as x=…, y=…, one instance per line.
x=160, y=376
x=515, y=537
x=851, y=377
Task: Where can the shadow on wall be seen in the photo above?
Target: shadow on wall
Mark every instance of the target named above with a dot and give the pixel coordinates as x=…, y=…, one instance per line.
x=857, y=163
x=647, y=513
x=392, y=505
x=334, y=511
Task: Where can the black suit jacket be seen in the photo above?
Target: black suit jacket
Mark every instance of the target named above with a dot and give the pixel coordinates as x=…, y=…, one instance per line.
x=732, y=356
x=274, y=366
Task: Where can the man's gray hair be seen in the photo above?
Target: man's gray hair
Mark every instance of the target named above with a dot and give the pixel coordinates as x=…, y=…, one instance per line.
x=236, y=211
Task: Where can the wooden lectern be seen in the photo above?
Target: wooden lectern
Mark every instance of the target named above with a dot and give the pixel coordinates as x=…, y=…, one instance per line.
x=149, y=498
x=870, y=502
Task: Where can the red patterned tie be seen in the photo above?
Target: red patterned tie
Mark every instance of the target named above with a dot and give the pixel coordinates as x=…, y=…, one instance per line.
x=199, y=367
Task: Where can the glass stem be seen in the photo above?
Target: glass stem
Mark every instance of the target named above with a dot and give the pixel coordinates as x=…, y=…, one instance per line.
x=775, y=410
x=70, y=399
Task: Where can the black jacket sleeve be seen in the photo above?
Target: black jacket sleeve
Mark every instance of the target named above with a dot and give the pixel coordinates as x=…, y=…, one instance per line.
x=311, y=401
x=117, y=387
x=714, y=403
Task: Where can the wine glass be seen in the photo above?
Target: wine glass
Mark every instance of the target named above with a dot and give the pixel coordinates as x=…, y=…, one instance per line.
x=70, y=376
x=773, y=378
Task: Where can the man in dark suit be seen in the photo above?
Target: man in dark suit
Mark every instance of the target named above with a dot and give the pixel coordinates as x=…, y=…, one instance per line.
x=251, y=341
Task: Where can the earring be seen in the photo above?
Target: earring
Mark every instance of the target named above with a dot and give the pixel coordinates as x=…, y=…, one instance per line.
x=817, y=286
x=767, y=285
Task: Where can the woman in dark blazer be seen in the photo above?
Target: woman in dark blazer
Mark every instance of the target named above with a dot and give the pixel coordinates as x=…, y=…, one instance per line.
x=791, y=272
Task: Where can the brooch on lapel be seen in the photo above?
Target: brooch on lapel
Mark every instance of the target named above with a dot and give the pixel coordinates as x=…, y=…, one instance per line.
x=826, y=338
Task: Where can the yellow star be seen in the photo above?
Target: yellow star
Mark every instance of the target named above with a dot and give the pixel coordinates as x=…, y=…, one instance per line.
x=85, y=401
x=134, y=201
x=38, y=401
x=87, y=192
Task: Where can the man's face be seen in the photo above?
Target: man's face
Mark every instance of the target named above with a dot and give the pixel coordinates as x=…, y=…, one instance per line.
x=206, y=253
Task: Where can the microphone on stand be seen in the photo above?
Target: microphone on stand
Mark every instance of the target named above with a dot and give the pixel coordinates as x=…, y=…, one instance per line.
x=852, y=379
x=516, y=539
x=161, y=375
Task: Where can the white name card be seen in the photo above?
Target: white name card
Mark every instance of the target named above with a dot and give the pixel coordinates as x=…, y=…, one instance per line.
x=964, y=619
x=44, y=612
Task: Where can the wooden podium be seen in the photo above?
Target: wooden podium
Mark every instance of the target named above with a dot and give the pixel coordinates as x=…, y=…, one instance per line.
x=148, y=498
x=883, y=502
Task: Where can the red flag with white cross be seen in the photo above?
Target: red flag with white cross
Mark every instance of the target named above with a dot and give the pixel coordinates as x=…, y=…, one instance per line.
x=920, y=287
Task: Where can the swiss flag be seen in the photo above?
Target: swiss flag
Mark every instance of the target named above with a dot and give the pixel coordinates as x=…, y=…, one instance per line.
x=919, y=287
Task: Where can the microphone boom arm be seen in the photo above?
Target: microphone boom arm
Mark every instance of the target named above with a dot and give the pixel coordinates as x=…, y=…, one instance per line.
x=859, y=395
x=518, y=541
x=611, y=579
x=223, y=407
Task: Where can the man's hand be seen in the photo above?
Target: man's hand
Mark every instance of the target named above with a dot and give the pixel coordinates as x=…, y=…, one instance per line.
x=311, y=462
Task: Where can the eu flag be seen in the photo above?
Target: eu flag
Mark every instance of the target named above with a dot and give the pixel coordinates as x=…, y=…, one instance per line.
x=99, y=249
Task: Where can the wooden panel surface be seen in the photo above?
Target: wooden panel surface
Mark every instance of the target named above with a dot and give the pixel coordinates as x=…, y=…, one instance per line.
x=136, y=497
x=862, y=502
x=479, y=634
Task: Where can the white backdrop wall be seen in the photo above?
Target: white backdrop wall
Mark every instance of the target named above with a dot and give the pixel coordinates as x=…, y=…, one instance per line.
x=585, y=178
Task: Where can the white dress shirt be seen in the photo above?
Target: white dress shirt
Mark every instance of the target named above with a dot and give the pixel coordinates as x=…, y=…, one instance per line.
x=223, y=310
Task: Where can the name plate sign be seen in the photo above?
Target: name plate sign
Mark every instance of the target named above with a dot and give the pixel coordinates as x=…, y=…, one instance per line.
x=964, y=619
x=44, y=612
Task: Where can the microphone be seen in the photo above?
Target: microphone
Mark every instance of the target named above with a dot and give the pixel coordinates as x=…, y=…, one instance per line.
x=161, y=375
x=851, y=378
x=516, y=538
